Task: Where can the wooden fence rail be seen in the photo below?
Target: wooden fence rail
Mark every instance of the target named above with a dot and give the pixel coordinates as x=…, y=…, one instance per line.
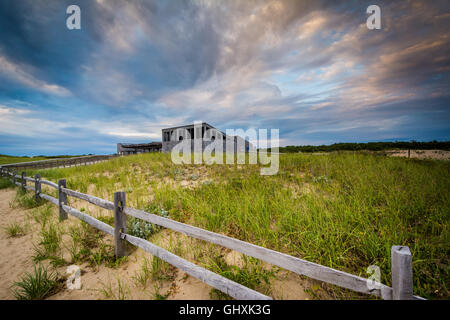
x=56, y=163
x=401, y=256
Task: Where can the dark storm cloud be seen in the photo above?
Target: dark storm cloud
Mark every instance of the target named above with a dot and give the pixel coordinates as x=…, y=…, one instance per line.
x=310, y=68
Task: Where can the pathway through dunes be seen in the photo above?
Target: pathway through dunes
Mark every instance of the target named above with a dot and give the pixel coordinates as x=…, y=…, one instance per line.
x=17, y=253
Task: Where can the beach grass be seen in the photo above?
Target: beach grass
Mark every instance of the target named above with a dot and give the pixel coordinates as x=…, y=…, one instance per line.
x=344, y=210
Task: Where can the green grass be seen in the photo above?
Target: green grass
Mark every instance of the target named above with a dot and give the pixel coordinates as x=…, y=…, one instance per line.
x=24, y=199
x=36, y=285
x=251, y=274
x=50, y=245
x=121, y=292
x=104, y=253
x=14, y=230
x=157, y=295
x=87, y=243
x=83, y=240
x=43, y=214
x=161, y=270
x=5, y=183
x=11, y=159
x=144, y=274
x=51, y=239
x=5, y=159
x=342, y=210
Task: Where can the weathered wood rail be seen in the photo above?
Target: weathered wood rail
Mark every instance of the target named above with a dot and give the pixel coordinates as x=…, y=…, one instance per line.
x=401, y=258
x=56, y=163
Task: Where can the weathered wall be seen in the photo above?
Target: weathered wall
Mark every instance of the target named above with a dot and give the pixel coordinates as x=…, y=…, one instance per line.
x=167, y=146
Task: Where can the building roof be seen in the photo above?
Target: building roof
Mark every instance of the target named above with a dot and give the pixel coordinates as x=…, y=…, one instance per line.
x=188, y=125
x=192, y=125
x=141, y=145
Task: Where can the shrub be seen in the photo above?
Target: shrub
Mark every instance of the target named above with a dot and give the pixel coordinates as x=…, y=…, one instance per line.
x=143, y=229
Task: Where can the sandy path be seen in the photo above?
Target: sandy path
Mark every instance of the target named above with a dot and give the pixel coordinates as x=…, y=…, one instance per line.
x=16, y=260
x=17, y=253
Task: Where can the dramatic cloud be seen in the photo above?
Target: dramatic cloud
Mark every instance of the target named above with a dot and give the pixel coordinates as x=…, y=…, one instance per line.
x=310, y=68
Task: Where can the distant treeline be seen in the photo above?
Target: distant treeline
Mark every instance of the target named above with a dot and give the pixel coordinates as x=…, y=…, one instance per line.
x=372, y=146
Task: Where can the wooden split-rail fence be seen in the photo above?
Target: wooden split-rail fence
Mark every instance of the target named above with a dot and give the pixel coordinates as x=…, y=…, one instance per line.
x=56, y=163
x=401, y=259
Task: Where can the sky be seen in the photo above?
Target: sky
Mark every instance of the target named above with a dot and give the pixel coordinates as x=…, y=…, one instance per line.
x=311, y=69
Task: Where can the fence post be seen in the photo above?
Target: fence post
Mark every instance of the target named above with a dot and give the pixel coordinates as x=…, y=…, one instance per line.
x=37, y=188
x=14, y=177
x=23, y=182
x=402, y=277
x=120, y=224
x=62, y=199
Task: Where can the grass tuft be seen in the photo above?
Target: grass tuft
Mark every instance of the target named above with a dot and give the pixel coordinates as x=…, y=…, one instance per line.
x=252, y=275
x=5, y=183
x=14, y=230
x=119, y=292
x=24, y=200
x=36, y=285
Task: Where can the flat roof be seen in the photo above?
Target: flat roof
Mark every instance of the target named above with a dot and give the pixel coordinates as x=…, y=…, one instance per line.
x=192, y=125
x=140, y=145
x=188, y=125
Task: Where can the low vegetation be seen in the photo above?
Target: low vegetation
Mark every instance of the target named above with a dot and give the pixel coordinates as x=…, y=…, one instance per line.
x=25, y=200
x=5, y=183
x=372, y=146
x=5, y=159
x=119, y=292
x=14, y=230
x=36, y=285
x=342, y=210
x=49, y=245
x=144, y=274
x=252, y=275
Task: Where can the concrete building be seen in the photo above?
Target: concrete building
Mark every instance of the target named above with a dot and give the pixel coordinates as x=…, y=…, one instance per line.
x=172, y=136
x=126, y=149
x=206, y=133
